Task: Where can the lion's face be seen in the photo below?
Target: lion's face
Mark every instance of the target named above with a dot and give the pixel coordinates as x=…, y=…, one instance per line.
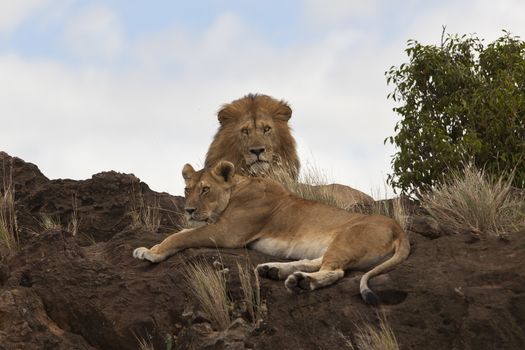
x=257, y=138
x=254, y=135
x=207, y=192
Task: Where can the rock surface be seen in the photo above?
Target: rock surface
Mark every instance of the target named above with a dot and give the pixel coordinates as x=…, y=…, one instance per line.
x=85, y=291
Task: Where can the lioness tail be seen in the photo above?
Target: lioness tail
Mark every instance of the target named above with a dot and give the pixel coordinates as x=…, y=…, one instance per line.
x=401, y=252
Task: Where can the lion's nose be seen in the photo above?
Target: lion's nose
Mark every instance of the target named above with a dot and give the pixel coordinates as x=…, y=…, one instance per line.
x=190, y=210
x=257, y=151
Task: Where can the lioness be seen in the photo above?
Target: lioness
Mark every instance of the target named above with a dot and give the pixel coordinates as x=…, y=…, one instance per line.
x=237, y=211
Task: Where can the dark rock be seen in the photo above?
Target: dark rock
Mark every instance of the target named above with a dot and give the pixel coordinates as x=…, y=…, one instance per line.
x=59, y=292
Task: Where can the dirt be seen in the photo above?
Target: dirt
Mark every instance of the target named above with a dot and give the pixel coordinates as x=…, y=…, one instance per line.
x=85, y=291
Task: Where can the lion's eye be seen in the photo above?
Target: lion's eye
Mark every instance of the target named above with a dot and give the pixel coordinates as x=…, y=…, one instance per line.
x=267, y=129
x=205, y=189
x=245, y=131
x=186, y=191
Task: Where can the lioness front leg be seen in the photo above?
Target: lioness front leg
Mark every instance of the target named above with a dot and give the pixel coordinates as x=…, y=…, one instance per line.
x=203, y=237
x=151, y=254
x=158, y=252
x=169, y=246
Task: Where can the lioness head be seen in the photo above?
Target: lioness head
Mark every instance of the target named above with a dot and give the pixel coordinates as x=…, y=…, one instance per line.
x=207, y=192
x=254, y=135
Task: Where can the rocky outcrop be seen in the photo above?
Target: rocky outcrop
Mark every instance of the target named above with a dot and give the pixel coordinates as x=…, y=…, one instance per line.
x=65, y=291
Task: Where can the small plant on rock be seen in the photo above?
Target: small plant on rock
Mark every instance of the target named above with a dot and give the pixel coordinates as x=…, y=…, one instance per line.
x=250, y=286
x=372, y=337
x=209, y=286
x=8, y=225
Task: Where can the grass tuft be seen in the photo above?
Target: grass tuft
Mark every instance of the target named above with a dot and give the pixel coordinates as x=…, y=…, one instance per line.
x=144, y=343
x=372, y=337
x=142, y=215
x=74, y=222
x=251, y=290
x=400, y=213
x=471, y=201
x=8, y=224
x=48, y=222
x=209, y=286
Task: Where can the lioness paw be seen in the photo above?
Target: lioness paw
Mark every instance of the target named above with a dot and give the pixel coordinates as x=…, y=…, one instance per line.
x=138, y=253
x=298, y=282
x=144, y=253
x=268, y=271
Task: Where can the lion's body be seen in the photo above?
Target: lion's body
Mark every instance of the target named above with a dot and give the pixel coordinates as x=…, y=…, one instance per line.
x=242, y=131
x=261, y=214
x=341, y=195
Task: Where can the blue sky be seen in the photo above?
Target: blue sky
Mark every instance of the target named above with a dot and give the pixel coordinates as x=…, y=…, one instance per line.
x=134, y=86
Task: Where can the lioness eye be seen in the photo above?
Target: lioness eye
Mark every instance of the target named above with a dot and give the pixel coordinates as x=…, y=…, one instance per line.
x=186, y=191
x=267, y=129
x=205, y=189
x=244, y=131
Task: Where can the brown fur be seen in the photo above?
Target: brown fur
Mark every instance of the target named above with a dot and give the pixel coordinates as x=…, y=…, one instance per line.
x=235, y=211
x=242, y=130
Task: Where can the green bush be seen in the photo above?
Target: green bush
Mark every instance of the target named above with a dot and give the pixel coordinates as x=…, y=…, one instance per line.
x=460, y=101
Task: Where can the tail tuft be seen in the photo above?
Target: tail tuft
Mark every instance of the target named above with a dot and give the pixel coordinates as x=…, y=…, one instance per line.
x=369, y=297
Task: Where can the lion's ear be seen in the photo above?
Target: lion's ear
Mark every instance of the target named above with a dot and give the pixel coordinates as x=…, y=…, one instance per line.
x=226, y=114
x=187, y=172
x=225, y=170
x=283, y=112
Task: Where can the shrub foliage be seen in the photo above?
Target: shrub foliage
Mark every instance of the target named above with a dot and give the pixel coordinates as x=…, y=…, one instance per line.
x=459, y=101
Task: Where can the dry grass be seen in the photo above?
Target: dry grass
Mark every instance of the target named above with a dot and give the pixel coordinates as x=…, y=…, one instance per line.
x=176, y=219
x=251, y=288
x=372, y=337
x=382, y=206
x=304, y=187
x=74, y=222
x=471, y=201
x=8, y=225
x=209, y=286
x=150, y=216
x=401, y=214
x=49, y=222
x=144, y=343
x=143, y=215
x=90, y=239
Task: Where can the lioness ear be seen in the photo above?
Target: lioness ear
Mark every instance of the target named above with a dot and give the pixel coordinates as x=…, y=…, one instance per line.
x=187, y=172
x=224, y=169
x=283, y=112
x=226, y=113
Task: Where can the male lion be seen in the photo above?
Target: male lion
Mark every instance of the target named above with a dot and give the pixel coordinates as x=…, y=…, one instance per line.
x=257, y=212
x=254, y=135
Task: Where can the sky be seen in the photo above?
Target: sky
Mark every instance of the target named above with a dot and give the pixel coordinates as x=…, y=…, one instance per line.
x=135, y=86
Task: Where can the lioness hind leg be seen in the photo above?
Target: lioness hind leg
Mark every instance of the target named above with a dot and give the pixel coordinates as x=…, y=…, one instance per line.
x=301, y=281
x=279, y=271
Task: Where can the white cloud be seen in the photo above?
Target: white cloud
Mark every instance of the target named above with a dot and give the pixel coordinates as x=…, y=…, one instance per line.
x=320, y=12
x=14, y=13
x=95, y=33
